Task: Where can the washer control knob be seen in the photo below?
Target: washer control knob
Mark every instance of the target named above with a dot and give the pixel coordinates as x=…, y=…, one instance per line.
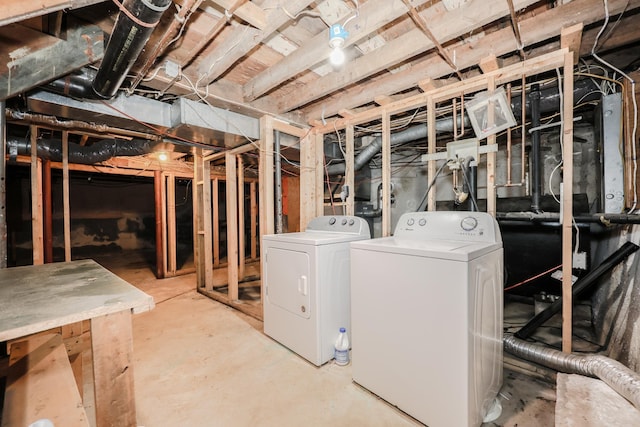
x=422, y=222
x=344, y=221
x=332, y=221
x=411, y=221
x=351, y=221
x=469, y=223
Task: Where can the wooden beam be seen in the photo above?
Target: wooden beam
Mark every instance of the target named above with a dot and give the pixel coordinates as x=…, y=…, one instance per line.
x=254, y=220
x=382, y=100
x=346, y=113
x=490, y=63
x=37, y=230
x=446, y=26
x=241, y=209
x=431, y=149
x=266, y=170
x=534, y=30
x=244, y=39
x=248, y=12
x=66, y=210
x=30, y=58
x=386, y=174
x=378, y=13
x=491, y=156
x=350, y=170
x=112, y=349
x=571, y=38
x=428, y=84
x=567, y=203
x=159, y=199
x=215, y=209
x=170, y=224
x=19, y=10
x=232, y=226
x=308, y=168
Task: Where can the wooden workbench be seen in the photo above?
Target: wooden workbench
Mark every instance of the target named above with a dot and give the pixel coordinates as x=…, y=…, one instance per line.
x=41, y=297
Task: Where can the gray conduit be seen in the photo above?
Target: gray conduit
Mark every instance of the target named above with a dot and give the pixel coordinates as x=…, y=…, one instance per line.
x=620, y=378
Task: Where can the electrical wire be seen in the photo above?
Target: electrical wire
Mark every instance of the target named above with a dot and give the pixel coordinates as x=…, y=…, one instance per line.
x=466, y=180
x=433, y=181
x=635, y=103
x=530, y=279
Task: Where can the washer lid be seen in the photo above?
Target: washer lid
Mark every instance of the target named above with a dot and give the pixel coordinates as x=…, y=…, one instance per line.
x=442, y=249
x=315, y=238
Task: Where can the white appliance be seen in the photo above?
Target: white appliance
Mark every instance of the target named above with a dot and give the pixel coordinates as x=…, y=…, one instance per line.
x=306, y=284
x=426, y=316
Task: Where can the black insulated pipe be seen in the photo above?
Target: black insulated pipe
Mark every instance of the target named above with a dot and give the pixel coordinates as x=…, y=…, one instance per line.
x=536, y=162
x=473, y=184
x=51, y=149
x=130, y=33
x=584, y=283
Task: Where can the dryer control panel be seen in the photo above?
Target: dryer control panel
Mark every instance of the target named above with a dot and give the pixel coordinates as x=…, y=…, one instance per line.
x=340, y=224
x=449, y=225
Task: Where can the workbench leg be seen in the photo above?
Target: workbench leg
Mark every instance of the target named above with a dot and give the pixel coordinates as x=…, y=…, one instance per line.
x=112, y=347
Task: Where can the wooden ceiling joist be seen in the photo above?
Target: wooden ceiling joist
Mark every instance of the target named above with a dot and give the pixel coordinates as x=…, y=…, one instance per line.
x=536, y=29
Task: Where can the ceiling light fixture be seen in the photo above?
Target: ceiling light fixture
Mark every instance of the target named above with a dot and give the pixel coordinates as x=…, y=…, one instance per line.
x=337, y=37
x=162, y=156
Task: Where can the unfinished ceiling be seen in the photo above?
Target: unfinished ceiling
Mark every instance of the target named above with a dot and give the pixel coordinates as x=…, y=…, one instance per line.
x=271, y=56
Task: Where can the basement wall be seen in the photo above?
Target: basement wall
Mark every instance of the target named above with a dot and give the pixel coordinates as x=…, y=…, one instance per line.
x=616, y=303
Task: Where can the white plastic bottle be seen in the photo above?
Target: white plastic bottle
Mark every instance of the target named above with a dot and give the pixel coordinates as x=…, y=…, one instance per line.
x=341, y=352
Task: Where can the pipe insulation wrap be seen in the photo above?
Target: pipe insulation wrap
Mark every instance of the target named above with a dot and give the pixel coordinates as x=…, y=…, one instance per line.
x=51, y=149
x=127, y=40
x=620, y=378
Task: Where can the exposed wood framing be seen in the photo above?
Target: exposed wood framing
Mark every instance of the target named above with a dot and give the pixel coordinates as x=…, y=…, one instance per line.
x=171, y=224
x=516, y=29
x=232, y=226
x=248, y=12
x=66, y=210
x=241, y=209
x=386, y=174
x=431, y=149
x=429, y=84
x=159, y=201
x=202, y=240
x=350, y=170
x=50, y=56
x=571, y=38
x=37, y=222
x=567, y=203
x=490, y=63
x=308, y=174
x=491, y=156
x=112, y=348
x=266, y=181
x=254, y=222
x=215, y=209
x=19, y=10
x=630, y=171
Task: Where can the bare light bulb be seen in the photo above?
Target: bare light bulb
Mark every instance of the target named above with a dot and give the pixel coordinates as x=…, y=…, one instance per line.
x=163, y=157
x=337, y=56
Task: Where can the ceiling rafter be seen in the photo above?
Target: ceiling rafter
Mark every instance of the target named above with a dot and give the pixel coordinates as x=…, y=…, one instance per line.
x=242, y=41
x=538, y=28
x=446, y=27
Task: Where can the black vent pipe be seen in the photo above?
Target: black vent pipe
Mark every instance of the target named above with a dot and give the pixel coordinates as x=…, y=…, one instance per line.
x=536, y=181
x=130, y=33
x=51, y=149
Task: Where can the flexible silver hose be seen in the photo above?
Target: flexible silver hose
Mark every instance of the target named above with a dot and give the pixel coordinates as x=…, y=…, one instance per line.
x=620, y=378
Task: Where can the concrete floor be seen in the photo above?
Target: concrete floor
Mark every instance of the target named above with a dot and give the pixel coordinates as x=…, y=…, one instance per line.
x=201, y=363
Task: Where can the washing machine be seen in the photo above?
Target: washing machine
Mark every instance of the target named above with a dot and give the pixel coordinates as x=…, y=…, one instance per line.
x=426, y=316
x=306, y=284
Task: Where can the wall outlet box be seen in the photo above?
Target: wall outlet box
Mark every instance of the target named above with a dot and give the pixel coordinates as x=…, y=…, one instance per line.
x=558, y=276
x=580, y=260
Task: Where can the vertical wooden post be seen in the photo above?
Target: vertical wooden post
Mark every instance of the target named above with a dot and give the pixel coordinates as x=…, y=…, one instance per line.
x=491, y=156
x=216, y=221
x=308, y=173
x=36, y=200
x=163, y=219
x=386, y=174
x=202, y=220
x=266, y=170
x=349, y=171
x=170, y=225
x=320, y=173
x=232, y=226
x=65, y=196
x=241, y=248
x=254, y=222
x=158, y=183
x=47, y=212
x=567, y=203
x=431, y=149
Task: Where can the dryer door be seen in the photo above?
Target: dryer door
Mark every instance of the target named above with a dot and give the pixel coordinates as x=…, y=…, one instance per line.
x=288, y=277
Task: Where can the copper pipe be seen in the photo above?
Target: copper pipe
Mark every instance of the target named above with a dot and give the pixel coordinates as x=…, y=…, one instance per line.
x=420, y=22
x=158, y=182
x=47, y=212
